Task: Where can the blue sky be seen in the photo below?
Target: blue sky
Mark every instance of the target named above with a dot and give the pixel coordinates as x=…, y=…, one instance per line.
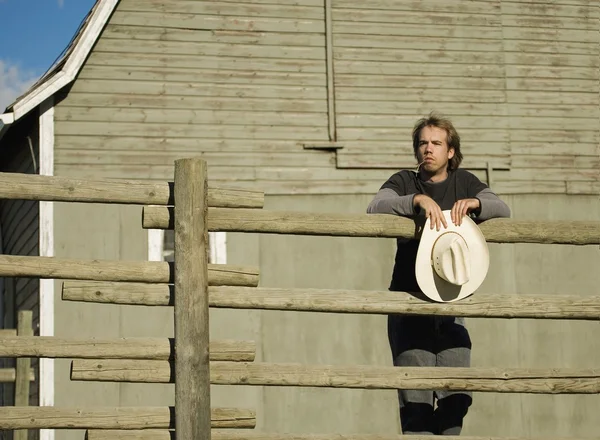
x=33, y=33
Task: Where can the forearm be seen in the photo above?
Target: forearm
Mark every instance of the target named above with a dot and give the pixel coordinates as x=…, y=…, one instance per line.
x=387, y=201
x=491, y=205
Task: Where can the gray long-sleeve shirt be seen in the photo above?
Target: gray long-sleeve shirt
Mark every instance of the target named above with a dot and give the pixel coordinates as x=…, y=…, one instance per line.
x=387, y=201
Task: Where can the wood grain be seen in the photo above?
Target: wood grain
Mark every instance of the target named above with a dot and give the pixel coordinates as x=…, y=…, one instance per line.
x=378, y=225
x=48, y=417
x=192, y=372
x=119, y=348
x=109, y=270
x=536, y=381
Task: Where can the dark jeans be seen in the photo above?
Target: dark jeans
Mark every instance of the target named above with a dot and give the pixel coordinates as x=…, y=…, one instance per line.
x=430, y=341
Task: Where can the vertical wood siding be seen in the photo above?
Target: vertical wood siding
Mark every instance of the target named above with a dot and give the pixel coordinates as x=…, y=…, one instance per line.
x=244, y=84
x=19, y=221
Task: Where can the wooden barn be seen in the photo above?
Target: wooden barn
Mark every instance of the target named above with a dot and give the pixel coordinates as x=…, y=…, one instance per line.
x=313, y=102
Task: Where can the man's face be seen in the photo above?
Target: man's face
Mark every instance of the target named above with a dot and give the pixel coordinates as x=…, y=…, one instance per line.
x=433, y=150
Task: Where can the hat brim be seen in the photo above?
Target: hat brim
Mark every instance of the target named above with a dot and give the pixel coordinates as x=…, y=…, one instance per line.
x=437, y=288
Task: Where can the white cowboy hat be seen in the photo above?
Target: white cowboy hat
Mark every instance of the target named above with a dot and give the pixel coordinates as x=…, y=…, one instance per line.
x=452, y=262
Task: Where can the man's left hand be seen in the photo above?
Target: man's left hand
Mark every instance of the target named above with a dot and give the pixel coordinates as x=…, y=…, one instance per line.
x=462, y=208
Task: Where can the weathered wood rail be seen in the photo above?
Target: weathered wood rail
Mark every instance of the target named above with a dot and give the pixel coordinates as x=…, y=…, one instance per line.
x=192, y=286
x=12, y=417
x=118, y=348
x=371, y=225
x=571, y=307
x=235, y=434
x=510, y=380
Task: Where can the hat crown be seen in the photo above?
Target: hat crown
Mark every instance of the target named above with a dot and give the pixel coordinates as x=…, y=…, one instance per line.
x=450, y=258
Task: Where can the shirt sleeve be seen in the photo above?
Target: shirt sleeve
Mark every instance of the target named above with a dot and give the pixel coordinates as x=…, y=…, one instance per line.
x=392, y=198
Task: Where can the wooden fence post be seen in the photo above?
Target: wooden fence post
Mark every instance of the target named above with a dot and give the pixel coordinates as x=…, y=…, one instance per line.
x=22, y=377
x=192, y=374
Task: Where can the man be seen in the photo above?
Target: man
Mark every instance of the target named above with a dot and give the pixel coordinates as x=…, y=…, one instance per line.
x=437, y=185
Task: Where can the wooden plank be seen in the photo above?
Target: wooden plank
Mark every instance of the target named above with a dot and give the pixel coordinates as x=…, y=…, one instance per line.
x=583, y=187
x=471, y=7
x=297, y=173
x=551, y=84
x=60, y=189
x=206, y=62
x=195, y=131
x=216, y=36
x=178, y=144
x=547, y=9
x=423, y=42
x=205, y=76
x=578, y=22
x=193, y=102
x=533, y=123
x=530, y=381
x=529, y=187
x=413, y=69
x=550, y=34
x=117, y=270
x=549, y=98
x=418, y=55
x=556, y=161
x=138, y=172
x=395, y=83
x=121, y=348
x=23, y=370
x=393, y=134
x=583, y=74
x=233, y=434
x=555, y=45
x=552, y=111
x=230, y=158
x=352, y=99
x=192, y=371
x=561, y=174
x=216, y=22
x=398, y=161
x=219, y=8
x=343, y=301
x=411, y=30
x=199, y=89
x=554, y=148
x=369, y=121
x=430, y=18
x=199, y=49
x=50, y=417
x=558, y=135
x=369, y=225
x=7, y=332
x=175, y=116
x=550, y=59
x=278, y=2
x=8, y=375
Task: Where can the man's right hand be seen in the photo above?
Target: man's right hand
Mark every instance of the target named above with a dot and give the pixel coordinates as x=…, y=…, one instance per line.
x=432, y=211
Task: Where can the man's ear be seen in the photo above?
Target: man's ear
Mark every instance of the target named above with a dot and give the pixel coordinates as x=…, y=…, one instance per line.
x=450, y=153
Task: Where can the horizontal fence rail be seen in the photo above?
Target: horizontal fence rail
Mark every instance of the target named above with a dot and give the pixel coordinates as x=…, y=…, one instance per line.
x=61, y=189
x=374, y=225
x=343, y=301
x=48, y=417
x=234, y=434
x=121, y=348
x=536, y=381
x=107, y=270
x=9, y=375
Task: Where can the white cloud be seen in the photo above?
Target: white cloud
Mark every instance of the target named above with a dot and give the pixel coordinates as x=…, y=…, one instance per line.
x=13, y=82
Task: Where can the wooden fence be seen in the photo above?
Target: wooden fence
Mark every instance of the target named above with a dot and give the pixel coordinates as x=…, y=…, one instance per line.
x=22, y=375
x=192, y=286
